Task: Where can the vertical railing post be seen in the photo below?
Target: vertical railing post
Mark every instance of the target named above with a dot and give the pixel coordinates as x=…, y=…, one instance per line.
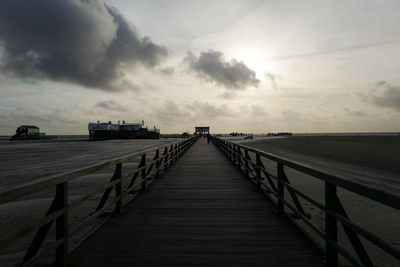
x=281, y=188
x=165, y=157
x=118, y=188
x=172, y=154
x=330, y=226
x=158, y=163
x=62, y=223
x=183, y=147
x=258, y=171
x=143, y=186
x=175, y=152
x=224, y=144
x=235, y=156
x=239, y=157
x=179, y=150
x=246, y=163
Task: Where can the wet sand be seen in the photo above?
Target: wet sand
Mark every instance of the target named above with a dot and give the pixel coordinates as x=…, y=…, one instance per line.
x=370, y=160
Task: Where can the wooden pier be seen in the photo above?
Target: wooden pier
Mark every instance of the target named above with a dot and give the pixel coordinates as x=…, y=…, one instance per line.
x=203, y=211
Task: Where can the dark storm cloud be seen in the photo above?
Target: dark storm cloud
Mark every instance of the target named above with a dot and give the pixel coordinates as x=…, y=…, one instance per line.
x=211, y=66
x=384, y=95
x=80, y=41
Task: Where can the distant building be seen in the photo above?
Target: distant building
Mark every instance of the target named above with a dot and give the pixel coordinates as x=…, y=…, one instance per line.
x=28, y=129
x=27, y=132
x=202, y=130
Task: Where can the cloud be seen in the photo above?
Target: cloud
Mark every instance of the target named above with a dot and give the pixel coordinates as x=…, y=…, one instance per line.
x=11, y=119
x=258, y=111
x=85, y=42
x=383, y=95
x=166, y=70
x=228, y=95
x=332, y=51
x=272, y=77
x=110, y=105
x=357, y=113
x=212, y=67
x=169, y=113
x=291, y=115
x=380, y=83
x=208, y=111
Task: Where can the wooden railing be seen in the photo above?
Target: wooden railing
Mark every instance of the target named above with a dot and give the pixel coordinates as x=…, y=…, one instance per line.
x=135, y=181
x=249, y=160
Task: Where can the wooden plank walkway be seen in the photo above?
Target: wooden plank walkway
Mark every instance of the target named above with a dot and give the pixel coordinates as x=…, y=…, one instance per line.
x=201, y=212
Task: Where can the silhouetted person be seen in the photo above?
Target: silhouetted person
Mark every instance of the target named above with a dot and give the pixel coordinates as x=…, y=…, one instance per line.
x=208, y=137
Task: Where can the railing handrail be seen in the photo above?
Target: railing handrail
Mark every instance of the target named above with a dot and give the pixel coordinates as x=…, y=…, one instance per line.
x=378, y=195
x=334, y=211
x=8, y=194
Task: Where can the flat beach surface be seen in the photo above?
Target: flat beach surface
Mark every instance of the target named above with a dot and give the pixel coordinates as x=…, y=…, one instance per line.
x=371, y=160
x=24, y=161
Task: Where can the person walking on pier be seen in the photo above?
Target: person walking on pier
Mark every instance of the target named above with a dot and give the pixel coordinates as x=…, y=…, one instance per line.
x=208, y=137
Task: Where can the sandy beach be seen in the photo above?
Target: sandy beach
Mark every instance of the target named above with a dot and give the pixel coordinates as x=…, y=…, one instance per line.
x=25, y=161
x=370, y=160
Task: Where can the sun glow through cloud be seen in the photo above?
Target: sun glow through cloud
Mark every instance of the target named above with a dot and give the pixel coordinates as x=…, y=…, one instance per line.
x=254, y=59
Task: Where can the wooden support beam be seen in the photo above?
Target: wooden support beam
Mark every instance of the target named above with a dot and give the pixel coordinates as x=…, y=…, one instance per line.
x=281, y=188
x=118, y=188
x=157, y=156
x=62, y=224
x=143, y=186
x=331, y=254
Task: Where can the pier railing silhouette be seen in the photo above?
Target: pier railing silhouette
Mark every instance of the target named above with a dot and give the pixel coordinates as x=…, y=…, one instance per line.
x=249, y=160
x=136, y=181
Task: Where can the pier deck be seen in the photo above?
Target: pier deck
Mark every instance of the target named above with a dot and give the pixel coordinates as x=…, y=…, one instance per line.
x=201, y=212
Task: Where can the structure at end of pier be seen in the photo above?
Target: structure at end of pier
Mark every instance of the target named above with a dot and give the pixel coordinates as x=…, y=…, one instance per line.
x=201, y=130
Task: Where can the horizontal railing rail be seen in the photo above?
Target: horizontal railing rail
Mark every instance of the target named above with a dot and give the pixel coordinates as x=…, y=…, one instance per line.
x=138, y=180
x=249, y=160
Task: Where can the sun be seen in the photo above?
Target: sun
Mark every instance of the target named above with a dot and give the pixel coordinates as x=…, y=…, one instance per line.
x=254, y=59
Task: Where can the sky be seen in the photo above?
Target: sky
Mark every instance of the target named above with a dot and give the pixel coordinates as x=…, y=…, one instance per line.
x=243, y=66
